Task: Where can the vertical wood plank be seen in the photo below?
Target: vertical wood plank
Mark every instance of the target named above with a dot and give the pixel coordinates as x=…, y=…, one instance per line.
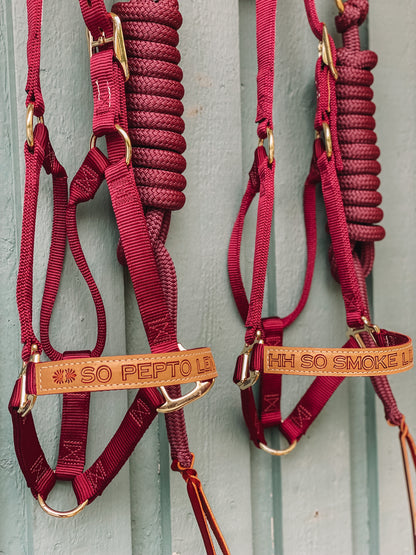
x=392, y=38
x=14, y=532
x=315, y=478
x=198, y=242
x=314, y=513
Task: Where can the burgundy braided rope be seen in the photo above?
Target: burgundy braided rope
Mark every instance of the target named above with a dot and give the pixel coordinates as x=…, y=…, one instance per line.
x=154, y=111
x=358, y=179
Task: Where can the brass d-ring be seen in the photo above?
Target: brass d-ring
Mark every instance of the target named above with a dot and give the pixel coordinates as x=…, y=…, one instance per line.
x=126, y=138
x=340, y=6
x=270, y=137
x=327, y=138
x=276, y=452
x=61, y=514
x=127, y=142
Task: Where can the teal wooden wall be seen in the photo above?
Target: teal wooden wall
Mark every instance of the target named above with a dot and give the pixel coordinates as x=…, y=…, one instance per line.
x=342, y=490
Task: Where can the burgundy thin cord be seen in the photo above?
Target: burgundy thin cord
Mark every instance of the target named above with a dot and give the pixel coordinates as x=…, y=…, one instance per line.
x=358, y=179
x=154, y=111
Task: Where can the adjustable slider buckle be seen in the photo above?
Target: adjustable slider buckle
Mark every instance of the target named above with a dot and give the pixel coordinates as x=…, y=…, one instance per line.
x=27, y=402
x=118, y=44
x=249, y=377
x=173, y=404
x=367, y=328
x=340, y=6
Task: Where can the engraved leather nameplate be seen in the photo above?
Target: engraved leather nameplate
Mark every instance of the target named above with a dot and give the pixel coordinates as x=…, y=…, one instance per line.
x=123, y=372
x=338, y=362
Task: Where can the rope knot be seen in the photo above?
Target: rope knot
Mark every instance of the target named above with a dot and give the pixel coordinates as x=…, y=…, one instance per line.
x=189, y=474
x=355, y=12
x=404, y=429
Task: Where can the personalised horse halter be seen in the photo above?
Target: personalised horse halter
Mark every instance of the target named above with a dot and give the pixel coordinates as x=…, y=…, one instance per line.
x=143, y=172
x=344, y=162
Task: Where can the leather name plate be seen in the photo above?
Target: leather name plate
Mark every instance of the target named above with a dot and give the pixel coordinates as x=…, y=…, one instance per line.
x=338, y=362
x=126, y=372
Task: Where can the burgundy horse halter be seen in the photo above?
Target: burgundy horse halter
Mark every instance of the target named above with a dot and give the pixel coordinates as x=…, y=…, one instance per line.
x=344, y=162
x=143, y=172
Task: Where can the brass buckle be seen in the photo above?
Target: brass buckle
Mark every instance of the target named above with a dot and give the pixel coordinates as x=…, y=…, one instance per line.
x=249, y=377
x=27, y=402
x=278, y=452
x=325, y=51
x=270, y=137
x=170, y=404
x=61, y=514
x=118, y=44
x=367, y=328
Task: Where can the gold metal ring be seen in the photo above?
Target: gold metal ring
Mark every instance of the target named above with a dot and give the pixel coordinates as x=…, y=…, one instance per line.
x=327, y=138
x=61, y=514
x=340, y=6
x=126, y=138
x=276, y=452
x=270, y=137
x=127, y=142
x=30, y=112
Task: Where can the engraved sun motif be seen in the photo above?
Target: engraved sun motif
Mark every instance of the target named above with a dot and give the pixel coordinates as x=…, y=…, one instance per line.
x=59, y=376
x=64, y=376
x=70, y=375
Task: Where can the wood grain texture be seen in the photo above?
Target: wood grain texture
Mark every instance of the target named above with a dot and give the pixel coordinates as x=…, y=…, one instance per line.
x=342, y=490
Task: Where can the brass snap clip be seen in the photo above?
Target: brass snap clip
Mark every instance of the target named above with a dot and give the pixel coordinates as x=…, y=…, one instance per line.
x=340, y=6
x=248, y=376
x=27, y=402
x=368, y=327
x=326, y=53
x=118, y=44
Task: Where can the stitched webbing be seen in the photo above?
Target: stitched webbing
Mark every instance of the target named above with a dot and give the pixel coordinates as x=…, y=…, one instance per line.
x=155, y=127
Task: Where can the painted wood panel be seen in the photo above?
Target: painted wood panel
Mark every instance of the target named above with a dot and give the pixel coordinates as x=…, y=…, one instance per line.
x=394, y=273
x=341, y=491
